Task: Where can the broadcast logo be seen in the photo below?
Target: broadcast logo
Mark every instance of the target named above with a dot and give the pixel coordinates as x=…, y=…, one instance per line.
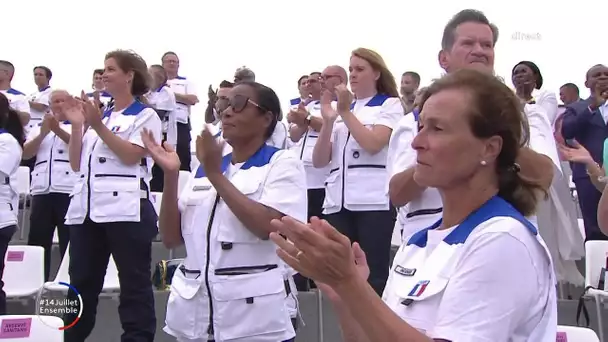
x=52, y=303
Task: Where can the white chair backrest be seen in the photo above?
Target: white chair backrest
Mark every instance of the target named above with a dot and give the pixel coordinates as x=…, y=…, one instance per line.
x=576, y=334
x=28, y=328
x=156, y=199
x=596, y=253
x=23, y=180
x=184, y=176
x=110, y=282
x=23, y=270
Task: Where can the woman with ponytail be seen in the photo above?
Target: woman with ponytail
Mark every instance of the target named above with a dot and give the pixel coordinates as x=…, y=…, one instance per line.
x=11, y=148
x=480, y=273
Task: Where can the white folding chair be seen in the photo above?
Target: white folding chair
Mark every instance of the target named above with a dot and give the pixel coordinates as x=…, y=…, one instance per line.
x=576, y=334
x=111, y=285
x=595, y=259
x=23, y=271
x=30, y=328
x=23, y=187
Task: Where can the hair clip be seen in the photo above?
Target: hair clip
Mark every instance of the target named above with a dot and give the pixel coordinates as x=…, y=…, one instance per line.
x=515, y=168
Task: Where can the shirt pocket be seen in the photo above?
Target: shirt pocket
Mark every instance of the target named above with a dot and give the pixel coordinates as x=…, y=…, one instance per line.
x=250, y=305
x=231, y=229
x=333, y=189
x=115, y=188
x=40, y=176
x=187, y=307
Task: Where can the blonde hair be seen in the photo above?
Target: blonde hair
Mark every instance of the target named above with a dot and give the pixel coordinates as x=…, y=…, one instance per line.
x=386, y=83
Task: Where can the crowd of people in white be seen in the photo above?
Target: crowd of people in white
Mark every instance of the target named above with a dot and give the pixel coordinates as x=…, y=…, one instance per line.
x=467, y=177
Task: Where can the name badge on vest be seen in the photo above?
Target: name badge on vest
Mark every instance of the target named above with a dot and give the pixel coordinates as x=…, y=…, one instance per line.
x=201, y=188
x=408, y=272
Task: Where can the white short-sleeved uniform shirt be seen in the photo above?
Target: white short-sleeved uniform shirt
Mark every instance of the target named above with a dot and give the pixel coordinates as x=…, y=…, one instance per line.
x=42, y=96
x=10, y=159
x=163, y=99
x=17, y=100
x=279, y=138
x=180, y=85
x=489, y=297
x=424, y=210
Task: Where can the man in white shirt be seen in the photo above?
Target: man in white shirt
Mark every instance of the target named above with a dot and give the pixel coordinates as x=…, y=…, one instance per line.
x=468, y=42
x=186, y=98
x=39, y=100
x=17, y=100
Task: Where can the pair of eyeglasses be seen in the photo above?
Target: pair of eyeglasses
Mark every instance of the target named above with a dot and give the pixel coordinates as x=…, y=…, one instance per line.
x=238, y=103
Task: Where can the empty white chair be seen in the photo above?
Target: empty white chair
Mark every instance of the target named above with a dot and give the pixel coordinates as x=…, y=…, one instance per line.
x=23, y=271
x=184, y=176
x=576, y=334
x=28, y=328
x=23, y=187
x=111, y=286
x=595, y=258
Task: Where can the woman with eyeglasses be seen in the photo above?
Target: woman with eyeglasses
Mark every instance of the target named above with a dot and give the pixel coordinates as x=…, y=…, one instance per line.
x=232, y=286
x=12, y=137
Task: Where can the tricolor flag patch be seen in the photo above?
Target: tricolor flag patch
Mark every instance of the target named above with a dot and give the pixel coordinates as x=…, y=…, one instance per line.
x=419, y=288
x=115, y=129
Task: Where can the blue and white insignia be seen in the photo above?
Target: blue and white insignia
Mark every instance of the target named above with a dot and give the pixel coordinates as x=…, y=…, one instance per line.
x=408, y=272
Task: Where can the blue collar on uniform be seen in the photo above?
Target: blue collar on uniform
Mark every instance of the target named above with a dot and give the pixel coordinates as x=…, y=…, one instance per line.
x=14, y=91
x=180, y=77
x=294, y=102
x=161, y=87
x=134, y=108
x=2, y=130
x=44, y=88
x=495, y=206
x=416, y=114
x=260, y=158
x=102, y=93
x=375, y=101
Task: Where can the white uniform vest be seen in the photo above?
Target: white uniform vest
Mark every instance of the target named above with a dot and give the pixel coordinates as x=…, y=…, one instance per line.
x=17, y=100
x=180, y=85
x=9, y=164
x=315, y=178
x=107, y=189
x=418, y=277
x=357, y=179
x=231, y=284
x=420, y=212
x=163, y=98
x=52, y=171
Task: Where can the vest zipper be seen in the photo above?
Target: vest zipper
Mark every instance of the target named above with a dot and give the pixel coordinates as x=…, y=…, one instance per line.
x=210, y=330
x=51, y=163
x=344, y=168
x=303, y=144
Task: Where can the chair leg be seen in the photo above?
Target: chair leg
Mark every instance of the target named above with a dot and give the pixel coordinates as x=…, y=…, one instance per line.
x=320, y=314
x=600, y=321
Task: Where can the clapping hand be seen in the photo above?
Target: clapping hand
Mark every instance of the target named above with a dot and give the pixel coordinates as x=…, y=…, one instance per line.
x=209, y=153
x=73, y=110
x=47, y=123
x=164, y=156
x=318, y=251
x=345, y=99
x=298, y=116
x=92, y=111
x=328, y=113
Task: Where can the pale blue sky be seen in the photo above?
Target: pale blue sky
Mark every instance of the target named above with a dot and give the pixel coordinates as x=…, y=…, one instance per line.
x=281, y=39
